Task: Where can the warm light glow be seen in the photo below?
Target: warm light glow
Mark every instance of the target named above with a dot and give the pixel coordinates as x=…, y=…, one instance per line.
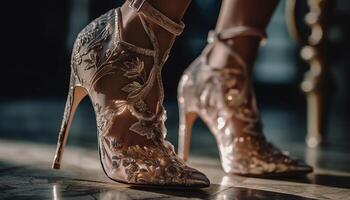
x=54, y=192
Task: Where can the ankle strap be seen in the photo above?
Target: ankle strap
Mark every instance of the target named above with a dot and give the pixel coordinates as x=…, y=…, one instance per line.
x=233, y=32
x=142, y=6
x=230, y=33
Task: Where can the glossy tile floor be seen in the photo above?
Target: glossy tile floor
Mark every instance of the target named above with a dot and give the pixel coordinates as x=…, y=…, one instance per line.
x=25, y=174
x=28, y=133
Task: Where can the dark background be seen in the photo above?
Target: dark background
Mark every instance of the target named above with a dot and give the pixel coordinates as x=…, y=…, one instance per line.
x=41, y=34
x=36, y=52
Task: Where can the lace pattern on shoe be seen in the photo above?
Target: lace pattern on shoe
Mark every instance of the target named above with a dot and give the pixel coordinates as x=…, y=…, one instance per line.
x=224, y=99
x=236, y=96
x=156, y=164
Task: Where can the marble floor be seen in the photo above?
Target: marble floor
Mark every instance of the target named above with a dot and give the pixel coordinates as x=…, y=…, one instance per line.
x=25, y=174
x=28, y=132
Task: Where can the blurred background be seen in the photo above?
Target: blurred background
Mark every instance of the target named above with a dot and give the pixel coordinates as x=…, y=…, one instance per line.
x=38, y=43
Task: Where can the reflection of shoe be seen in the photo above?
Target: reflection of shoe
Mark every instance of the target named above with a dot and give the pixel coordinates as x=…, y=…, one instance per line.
x=224, y=99
x=127, y=95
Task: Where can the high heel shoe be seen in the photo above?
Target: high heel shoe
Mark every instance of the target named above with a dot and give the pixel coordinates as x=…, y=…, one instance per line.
x=224, y=99
x=114, y=74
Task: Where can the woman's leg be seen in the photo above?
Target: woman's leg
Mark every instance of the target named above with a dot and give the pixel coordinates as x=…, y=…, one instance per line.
x=253, y=13
x=123, y=81
x=134, y=31
x=218, y=88
x=250, y=13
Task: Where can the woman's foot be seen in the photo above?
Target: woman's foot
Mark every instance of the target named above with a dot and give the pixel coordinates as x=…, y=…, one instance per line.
x=117, y=60
x=218, y=88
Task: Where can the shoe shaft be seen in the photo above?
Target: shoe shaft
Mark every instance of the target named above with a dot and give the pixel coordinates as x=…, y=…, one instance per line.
x=224, y=99
x=201, y=91
x=113, y=73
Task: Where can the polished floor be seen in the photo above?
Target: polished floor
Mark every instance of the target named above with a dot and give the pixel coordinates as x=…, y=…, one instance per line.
x=28, y=132
x=25, y=174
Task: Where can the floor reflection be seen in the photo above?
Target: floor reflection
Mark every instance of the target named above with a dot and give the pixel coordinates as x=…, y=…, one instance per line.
x=214, y=192
x=236, y=193
x=25, y=174
x=110, y=195
x=55, y=192
x=30, y=183
x=321, y=179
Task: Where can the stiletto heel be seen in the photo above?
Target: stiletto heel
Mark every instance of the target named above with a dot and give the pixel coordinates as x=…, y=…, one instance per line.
x=224, y=99
x=187, y=120
x=75, y=95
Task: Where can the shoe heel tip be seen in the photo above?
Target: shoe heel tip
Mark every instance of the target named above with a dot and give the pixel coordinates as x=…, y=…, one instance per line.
x=56, y=166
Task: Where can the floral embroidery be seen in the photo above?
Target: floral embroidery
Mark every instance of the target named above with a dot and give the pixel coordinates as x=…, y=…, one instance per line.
x=148, y=125
x=151, y=165
x=148, y=128
x=141, y=111
x=96, y=29
x=134, y=69
x=114, y=143
x=105, y=118
x=231, y=84
x=134, y=164
x=132, y=88
x=121, y=106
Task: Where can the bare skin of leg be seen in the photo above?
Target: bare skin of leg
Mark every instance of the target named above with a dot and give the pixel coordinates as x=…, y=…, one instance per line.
x=134, y=33
x=251, y=13
x=175, y=10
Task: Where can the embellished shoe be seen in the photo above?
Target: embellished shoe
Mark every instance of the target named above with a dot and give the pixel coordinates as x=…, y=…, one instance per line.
x=224, y=99
x=127, y=96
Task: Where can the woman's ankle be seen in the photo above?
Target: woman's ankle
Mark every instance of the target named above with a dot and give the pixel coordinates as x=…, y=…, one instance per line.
x=249, y=13
x=133, y=29
x=245, y=47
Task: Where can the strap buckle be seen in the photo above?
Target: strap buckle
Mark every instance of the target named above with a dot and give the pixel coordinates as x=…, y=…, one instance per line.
x=136, y=4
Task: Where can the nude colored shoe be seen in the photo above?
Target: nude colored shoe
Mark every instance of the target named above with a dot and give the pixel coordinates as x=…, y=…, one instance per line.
x=224, y=99
x=118, y=81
